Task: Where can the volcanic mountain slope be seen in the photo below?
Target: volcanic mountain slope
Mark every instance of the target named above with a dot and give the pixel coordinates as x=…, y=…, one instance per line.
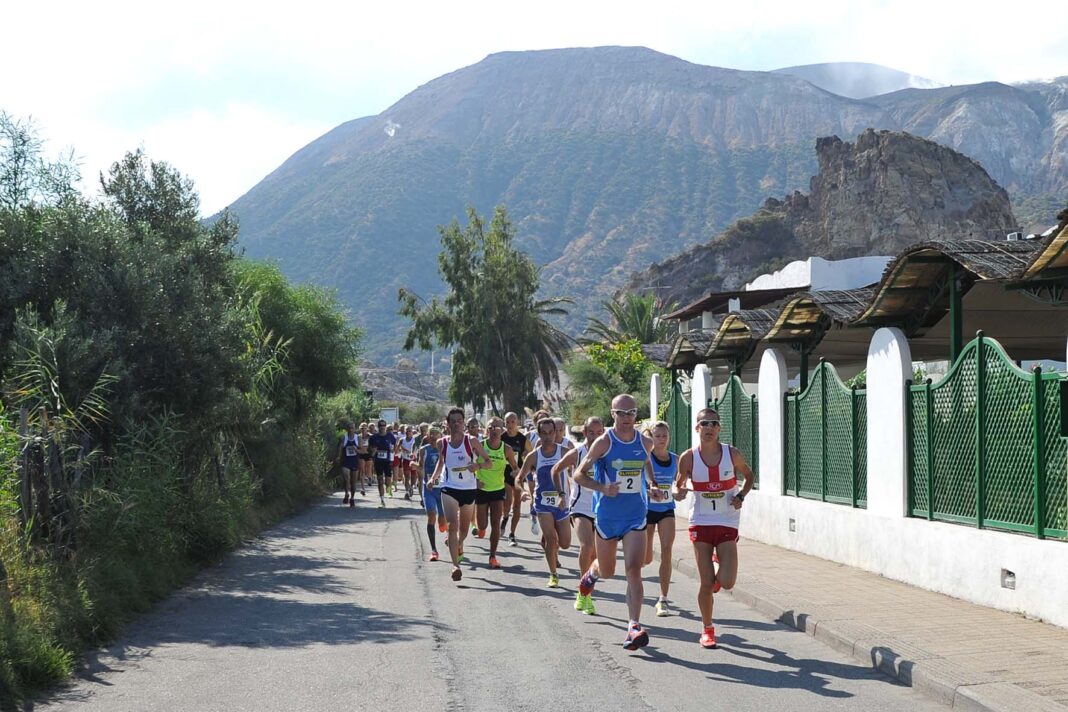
x=608, y=159
x=875, y=196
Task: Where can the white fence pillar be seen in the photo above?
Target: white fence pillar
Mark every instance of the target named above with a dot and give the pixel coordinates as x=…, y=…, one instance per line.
x=889, y=366
x=771, y=385
x=654, y=397
x=700, y=392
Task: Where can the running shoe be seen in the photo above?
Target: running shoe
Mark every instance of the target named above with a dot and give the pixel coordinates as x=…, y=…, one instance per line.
x=346, y=500
x=512, y=541
x=481, y=533
x=493, y=563
x=457, y=574
x=433, y=556
x=534, y=529
x=716, y=587
x=662, y=609
x=708, y=638
x=554, y=581
x=363, y=493
x=352, y=502
x=586, y=584
x=443, y=527
x=408, y=496
x=587, y=606
x=579, y=601
x=381, y=502
x=636, y=638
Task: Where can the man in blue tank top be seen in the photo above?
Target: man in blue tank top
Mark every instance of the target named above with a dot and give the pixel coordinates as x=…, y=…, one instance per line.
x=622, y=482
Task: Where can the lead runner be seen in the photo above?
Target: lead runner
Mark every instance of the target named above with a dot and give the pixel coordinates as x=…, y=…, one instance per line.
x=622, y=481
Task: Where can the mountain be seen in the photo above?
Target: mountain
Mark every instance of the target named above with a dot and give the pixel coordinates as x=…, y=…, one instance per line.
x=608, y=159
x=874, y=196
x=857, y=80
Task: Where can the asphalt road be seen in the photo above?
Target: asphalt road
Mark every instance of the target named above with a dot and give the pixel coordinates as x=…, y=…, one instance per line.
x=338, y=609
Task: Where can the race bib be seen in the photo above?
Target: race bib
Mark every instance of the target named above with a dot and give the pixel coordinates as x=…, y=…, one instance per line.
x=630, y=481
x=382, y=454
x=712, y=495
x=550, y=499
x=350, y=451
x=665, y=491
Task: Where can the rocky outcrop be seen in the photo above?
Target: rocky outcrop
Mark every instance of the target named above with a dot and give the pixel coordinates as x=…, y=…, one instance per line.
x=402, y=385
x=876, y=195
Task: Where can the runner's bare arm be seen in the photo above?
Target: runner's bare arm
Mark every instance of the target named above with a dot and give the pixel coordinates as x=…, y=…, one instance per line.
x=597, y=450
x=509, y=455
x=484, y=461
x=741, y=465
x=685, y=470
x=528, y=466
x=650, y=476
x=568, y=460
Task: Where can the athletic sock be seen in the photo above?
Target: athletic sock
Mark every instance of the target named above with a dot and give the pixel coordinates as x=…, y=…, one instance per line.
x=635, y=624
x=433, y=538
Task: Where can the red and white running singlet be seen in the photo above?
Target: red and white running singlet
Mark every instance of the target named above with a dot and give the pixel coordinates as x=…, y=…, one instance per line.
x=713, y=491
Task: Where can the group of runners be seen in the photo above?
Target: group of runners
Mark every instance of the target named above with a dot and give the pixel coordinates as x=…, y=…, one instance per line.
x=616, y=488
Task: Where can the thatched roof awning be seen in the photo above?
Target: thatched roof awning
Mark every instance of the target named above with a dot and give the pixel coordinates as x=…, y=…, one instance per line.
x=805, y=316
x=719, y=301
x=739, y=332
x=1052, y=260
x=689, y=349
x=914, y=286
x=657, y=353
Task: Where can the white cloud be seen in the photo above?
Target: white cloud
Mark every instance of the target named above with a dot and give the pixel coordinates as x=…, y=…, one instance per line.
x=83, y=62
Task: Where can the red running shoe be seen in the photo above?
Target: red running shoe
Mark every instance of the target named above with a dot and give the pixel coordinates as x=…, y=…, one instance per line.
x=481, y=534
x=433, y=556
x=636, y=638
x=443, y=527
x=493, y=563
x=708, y=638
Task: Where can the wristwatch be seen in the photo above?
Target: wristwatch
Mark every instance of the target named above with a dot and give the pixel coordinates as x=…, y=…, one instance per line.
x=740, y=497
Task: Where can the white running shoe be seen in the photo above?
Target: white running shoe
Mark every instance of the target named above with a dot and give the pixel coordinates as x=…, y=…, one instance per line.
x=534, y=529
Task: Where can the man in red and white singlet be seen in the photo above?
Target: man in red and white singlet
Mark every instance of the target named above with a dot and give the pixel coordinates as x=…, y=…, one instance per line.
x=711, y=470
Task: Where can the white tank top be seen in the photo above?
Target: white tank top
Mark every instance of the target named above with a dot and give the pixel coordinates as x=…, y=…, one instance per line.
x=455, y=458
x=713, y=491
x=407, y=446
x=581, y=497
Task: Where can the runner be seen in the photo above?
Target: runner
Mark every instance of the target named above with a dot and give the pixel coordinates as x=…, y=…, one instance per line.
x=582, y=507
x=408, y=471
x=550, y=505
x=381, y=445
x=365, y=456
x=513, y=500
x=661, y=516
x=532, y=436
x=462, y=455
x=348, y=457
x=710, y=471
x=622, y=477
x=474, y=428
x=489, y=500
x=435, y=512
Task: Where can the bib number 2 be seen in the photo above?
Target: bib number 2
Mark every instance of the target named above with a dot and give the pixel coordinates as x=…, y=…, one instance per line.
x=629, y=481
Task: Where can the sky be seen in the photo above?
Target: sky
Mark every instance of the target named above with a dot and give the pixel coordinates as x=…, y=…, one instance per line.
x=225, y=92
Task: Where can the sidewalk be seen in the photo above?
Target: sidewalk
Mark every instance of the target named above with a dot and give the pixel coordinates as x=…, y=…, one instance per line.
x=964, y=655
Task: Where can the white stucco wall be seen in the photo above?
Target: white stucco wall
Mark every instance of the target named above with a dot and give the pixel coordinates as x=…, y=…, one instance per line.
x=817, y=274
x=889, y=365
x=959, y=561
x=770, y=387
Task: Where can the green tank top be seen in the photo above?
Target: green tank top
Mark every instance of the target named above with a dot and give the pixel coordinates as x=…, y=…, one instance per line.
x=493, y=478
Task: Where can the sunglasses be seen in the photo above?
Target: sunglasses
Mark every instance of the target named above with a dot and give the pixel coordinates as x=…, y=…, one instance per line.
x=707, y=423
x=629, y=411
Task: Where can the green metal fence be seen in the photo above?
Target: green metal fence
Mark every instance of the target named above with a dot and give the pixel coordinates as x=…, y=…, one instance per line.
x=738, y=423
x=985, y=445
x=826, y=430
x=678, y=417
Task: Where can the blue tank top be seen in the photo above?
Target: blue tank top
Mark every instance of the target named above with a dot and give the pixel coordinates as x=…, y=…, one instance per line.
x=623, y=463
x=665, y=477
x=430, y=461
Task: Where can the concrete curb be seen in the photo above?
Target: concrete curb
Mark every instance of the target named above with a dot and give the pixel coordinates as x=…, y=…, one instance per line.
x=931, y=674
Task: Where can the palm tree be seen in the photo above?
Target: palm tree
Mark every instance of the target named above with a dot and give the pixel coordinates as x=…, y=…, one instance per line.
x=536, y=352
x=638, y=316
